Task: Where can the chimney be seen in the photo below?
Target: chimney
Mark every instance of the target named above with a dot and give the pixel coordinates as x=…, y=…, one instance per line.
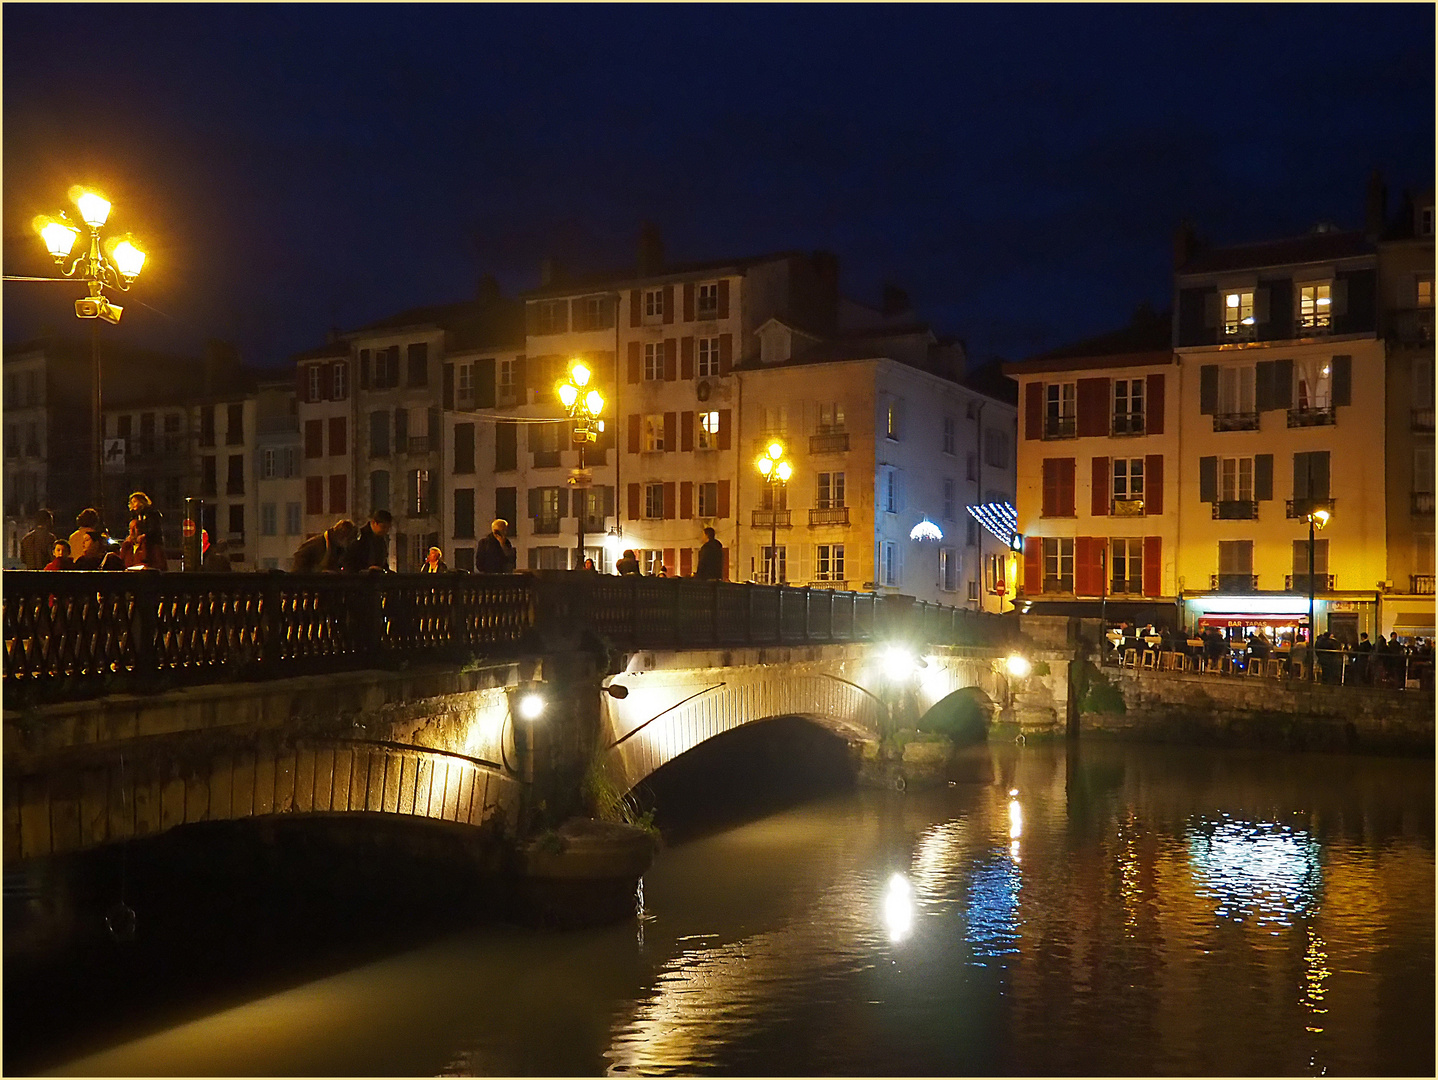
x=1185, y=245
x=651, y=250
x=1377, y=209
x=895, y=302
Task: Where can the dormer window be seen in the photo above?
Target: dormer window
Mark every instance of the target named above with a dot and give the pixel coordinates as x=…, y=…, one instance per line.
x=1238, y=319
x=706, y=300
x=1315, y=307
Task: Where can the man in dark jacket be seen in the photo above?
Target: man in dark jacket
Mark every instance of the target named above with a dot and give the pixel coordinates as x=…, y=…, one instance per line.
x=628, y=566
x=37, y=545
x=495, y=554
x=97, y=555
x=710, y=564
x=370, y=550
x=326, y=551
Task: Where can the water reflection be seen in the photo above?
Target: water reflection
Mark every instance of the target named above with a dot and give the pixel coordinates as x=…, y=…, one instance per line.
x=898, y=908
x=1264, y=869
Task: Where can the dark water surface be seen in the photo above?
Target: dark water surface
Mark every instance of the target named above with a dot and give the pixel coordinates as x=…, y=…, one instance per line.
x=1130, y=910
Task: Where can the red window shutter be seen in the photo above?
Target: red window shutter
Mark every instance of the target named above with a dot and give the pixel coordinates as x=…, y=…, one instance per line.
x=636, y=363
x=1153, y=484
x=671, y=431
x=635, y=423
x=337, y=436
x=686, y=357
x=1034, y=411
x=1153, y=404
x=314, y=495
x=724, y=429
x=723, y=508
x=339, y=494
x=636, y=307
x=1099, y=506
x=689, y=301
x=671, y=359
x=314, y=438
x=634, y=506
x=686, y=562
x=1050, y=504
x=726, y=348
x=1033, y=565
x=1152, y=566
x=686, y=500
x=1083, y=562
x=670, y=502
x=1066, y=487
x=669, y=560
x=723, y=298
x=668, y=304
x=1093, y=406
x=686, y=432
x=302, y=383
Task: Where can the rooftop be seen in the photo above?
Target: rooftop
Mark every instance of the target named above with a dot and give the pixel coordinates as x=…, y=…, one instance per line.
x=1314, y=247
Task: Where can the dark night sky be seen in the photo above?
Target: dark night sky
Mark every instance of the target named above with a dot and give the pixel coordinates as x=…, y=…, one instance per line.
x=1019, y=169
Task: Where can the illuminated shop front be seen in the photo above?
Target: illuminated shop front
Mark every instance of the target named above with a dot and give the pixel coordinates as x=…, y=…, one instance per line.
x=1280, y=615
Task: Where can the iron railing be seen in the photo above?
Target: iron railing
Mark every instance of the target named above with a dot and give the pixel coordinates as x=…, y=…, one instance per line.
x=1303, y=583
x=1236, y=510
x=1299, y=509
x=768, y=519
x=1420, y=584
x=1313, y=416
x=829, y=515
x=1232, y=582
x=1235, y=421
x=1422, y=502
x=829, y=442
x=1422, y=419
x=85, y=633
x=1060, y=427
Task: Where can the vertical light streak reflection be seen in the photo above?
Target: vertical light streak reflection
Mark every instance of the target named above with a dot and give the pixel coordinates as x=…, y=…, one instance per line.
x=1315, y=975
x=899, y=908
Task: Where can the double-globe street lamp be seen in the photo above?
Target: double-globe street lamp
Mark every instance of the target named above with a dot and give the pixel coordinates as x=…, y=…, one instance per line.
x=1316, y=520
x=113, y=263
x=776, y=470
x=584, y=406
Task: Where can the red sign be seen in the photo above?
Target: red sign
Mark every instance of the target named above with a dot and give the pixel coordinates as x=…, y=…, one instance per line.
x=188, y=528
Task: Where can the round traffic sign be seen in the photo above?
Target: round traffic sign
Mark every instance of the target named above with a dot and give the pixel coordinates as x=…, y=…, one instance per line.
x=188, y=528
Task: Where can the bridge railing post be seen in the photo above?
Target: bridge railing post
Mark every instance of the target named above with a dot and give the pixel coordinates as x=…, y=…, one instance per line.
x=143, y=589
x=749, y=613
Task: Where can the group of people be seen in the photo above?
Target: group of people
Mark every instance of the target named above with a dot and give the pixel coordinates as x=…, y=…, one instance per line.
x=708, y=565
x=346, y=546
x=89, y=547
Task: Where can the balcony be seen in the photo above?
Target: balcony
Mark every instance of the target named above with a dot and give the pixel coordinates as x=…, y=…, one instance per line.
x=829, y=442
x=1314, y=324
x=417, y=444
x=1413, y=327
x=838, y=584
x=1236, y=421
x=1235, y=510
x=1423, y=419
x=1422, y=502
x=1299, y=509
x=1126, y=507
x=1129, y=423
x=829, y=515
x=277, y=425
x=1060, y=427
x=1232, y=583
x=1313, y=416
x=761, y=444
x=770, y=519
x=1420, y=584
x=546, y=526
x=1300, y=583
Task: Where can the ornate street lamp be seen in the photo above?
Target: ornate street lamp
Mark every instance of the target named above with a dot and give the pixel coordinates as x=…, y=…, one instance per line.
x=1316, y=520
x=776, y=471
x=113, y=263
x=584, y=406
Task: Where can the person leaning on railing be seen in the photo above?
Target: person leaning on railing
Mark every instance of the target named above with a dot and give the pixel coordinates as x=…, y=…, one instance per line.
x=326, y=551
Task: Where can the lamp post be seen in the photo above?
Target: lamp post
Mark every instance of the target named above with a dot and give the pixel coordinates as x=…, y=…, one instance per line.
x=1316, y=520
x=113, y=264
x=775, y=470
x=584, y=407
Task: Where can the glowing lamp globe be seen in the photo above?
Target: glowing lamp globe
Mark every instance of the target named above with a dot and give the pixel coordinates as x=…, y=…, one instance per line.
x=594, y=402
x=93, y=207
x=128, y=258
x=568, y=394
x=580, y=374
x=59, y=238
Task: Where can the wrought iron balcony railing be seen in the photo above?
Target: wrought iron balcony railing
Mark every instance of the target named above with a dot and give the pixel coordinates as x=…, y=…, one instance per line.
x=830, y=442
x=1412, y=327
x=840, y=584
x=831, y=515
x=1317, y=323
x=1300, y=583
x=1235, y=421
x=1129, y=423
x=546, y=526
x=770, y=519
x=1313, y=416
x=1420, y=584
x=418, y=444
x=1422, y=502
x=1235, y=510
x=1126, y=507
x=1423, y=419
x=1060, y=427
x=1229, y=583
x=1299, y=509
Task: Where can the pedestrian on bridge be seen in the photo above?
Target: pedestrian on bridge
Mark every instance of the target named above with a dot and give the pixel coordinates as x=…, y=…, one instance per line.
x=628, y=565
x=434, y=562
x=62, y=560
x=370, y=551
x=37, y=544
x=96, y=554
x=495, y=554
x=325, y=552
x=85, y=520
x=709, y=566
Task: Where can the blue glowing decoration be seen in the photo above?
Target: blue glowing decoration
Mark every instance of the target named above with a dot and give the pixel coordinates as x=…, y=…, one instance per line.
x=1000, y=518
x=926, y=530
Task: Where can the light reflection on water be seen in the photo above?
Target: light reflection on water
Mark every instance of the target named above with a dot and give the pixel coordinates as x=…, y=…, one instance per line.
x=1170, y=912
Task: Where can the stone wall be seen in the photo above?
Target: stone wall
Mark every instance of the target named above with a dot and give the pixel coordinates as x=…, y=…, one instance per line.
x=1175, y=707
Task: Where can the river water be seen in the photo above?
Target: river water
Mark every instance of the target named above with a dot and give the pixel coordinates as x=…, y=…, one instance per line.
x=1101, y=909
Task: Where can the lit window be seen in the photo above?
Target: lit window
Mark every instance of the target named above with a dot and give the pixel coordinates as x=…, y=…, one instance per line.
x=654, y=433
x=706, y=300
x=708, y=431
x=1315, y=306
x=768, y=557
x=1425, y=292
x=654, y=360
x=1236, y=391
x=708, y=357
x=1238, y=320
x=1312, y=384
x=1058, y=565
x=891, y=419
x=831, y=417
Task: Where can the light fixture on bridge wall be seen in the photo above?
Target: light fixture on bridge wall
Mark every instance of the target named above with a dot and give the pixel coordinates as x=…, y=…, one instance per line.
x=1018, y=666
x=531, y=705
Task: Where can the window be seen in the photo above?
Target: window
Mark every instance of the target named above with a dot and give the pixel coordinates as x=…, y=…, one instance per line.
x=1300, y=559
x=971, y=466
x=589, y=507
x=235, y=475
x=776, y=420
x=653, y=305
x=421, y=494
x=831, y=418
x=1058, y=564
x=996, y=449
x=708, y=357
x=971, y=532
x=653, y=360
x=315, y=383
x=551, y=316
x=544, y=444
x=174, y=441
x=544, y=503
x=708, y=500
x=771, y=498
x=548, y=557
x=769, y=572
x=997, y=582
x=464, y=558
x=341, y=382
x=706, y=300
x=386, y=368
x=339, y=436
x=207, y=475
x=289, y=461
x=892, y=410
x=1236, y=407
x=293, y=522
x=339, y=494
x=237, y=519
x=1425, y=221
x=949, y=569
x=1235, y=479
x=829, y=562
x=831, y=490
x=269, y=519
x=504, y=380
x=1060, y=410
x=379, y=491
x=708, y=431
x=1423, y=470
x=314, y=438
x=207, y=425
x=1058, y=487
x=1235, y=565
x=463, y=449
x=1425, y=292
x=654, y=433
x=1312, y=384
x=950, y=500
x=378, y=434
x=1315, y=306
x=1128, y=406
x=464, y=384
x=891, y=491
x=593, y=313
x=654, y=501
x=268, y=468
x=464, y=513
x=1126, y=565
x=506, y=448
x=1238, y=320
x=950, y=434
x=147, y=433
x=417, y=357
x=1127, y=478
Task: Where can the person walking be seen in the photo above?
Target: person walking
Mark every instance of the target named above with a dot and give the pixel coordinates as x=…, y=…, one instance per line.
x=37, y=544
x=495, y=554
x=434, y=562
x=370, y=551
x=709, y=566
x=628, y=565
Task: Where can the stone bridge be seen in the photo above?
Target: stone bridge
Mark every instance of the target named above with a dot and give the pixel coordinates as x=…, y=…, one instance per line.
x=138, y=703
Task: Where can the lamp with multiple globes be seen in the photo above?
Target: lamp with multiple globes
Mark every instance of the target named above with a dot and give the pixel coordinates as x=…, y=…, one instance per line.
x=775, y=470
x=584, y=407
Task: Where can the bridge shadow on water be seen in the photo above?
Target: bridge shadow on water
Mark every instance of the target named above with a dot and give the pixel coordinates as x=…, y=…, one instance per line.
x=745, y=774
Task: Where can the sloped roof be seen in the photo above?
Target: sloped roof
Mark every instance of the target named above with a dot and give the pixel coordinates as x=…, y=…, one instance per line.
x=1312, y=248
x=580, y=283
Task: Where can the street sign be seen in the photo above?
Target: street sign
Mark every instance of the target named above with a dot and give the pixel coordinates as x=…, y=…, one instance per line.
x=114, y=457
x=188, y=528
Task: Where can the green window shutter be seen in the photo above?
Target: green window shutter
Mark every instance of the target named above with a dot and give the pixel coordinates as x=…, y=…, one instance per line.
x=447, y=393
x=1263, y=477
x=1263, y=385
x=1343, y=380
x=1300, y=476
x=1283, y=384
x=484, y=383
x=1208, y=479
x=1318, y=474
x=1208, y=389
